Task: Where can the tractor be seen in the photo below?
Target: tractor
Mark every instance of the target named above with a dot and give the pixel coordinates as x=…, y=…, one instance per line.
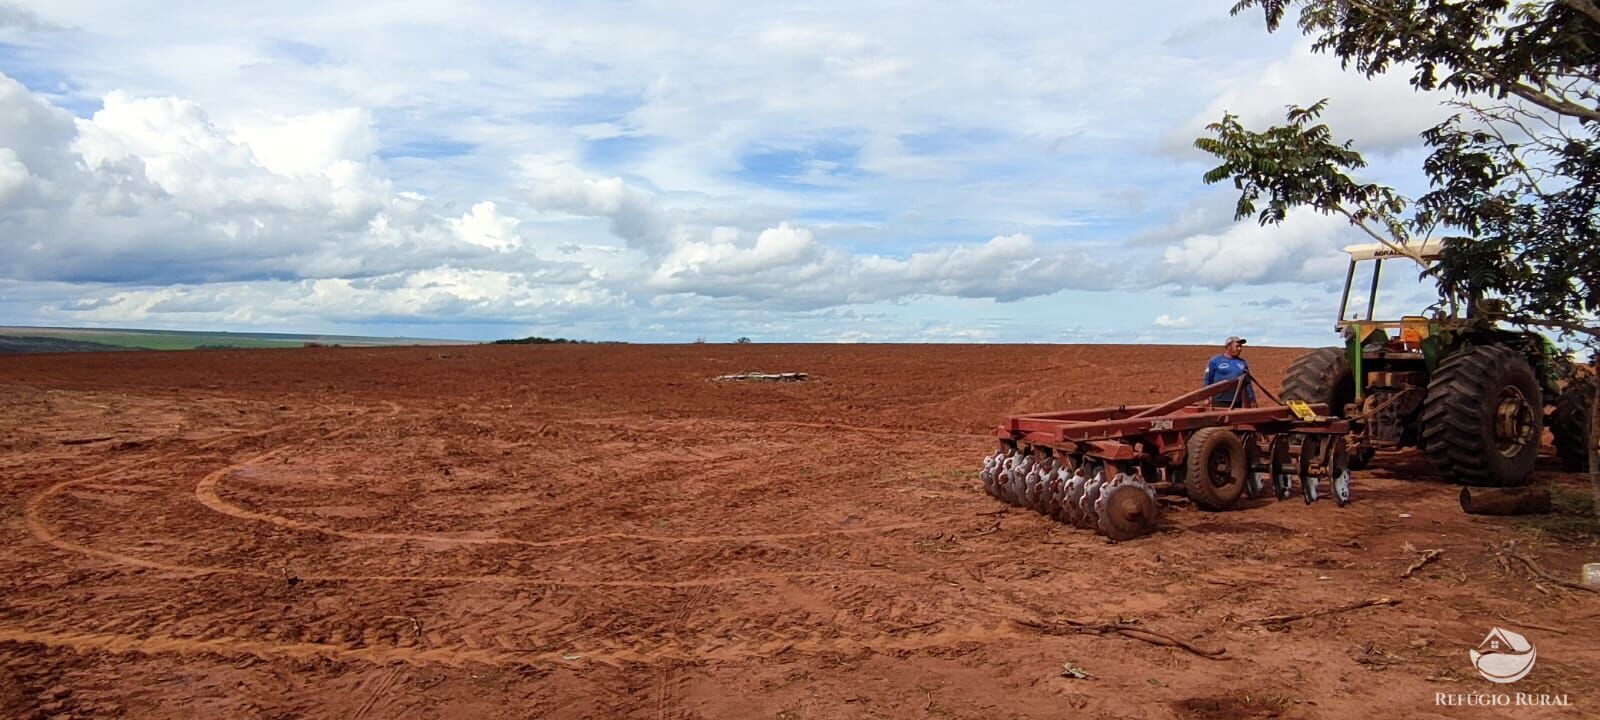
x=1470, y=393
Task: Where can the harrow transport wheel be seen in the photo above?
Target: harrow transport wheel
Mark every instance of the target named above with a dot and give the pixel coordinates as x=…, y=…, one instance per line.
x=1126, y=512
x=1215, y=469
x=1483, y=417
x=1570, y=424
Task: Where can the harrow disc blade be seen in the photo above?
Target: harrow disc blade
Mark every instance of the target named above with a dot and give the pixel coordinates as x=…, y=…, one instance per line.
x=1126, y=511
x=1309, y=450
x=1091, y=492
x=1339, y=471
x=1058, y=494
x=1073, y=508
x=1019, y=479
x=1283, y=468
x=990, y=474
x=1038, y=498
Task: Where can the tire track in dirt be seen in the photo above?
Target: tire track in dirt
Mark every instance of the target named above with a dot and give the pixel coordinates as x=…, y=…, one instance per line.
x=613, y=652
x=665, y=690
x=41, y=531
x=628, y=420
x=208, y=493
x=34, y=521
x=215, y=640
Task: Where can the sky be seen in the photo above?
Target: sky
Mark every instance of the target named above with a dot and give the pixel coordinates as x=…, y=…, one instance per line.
x=670, y=171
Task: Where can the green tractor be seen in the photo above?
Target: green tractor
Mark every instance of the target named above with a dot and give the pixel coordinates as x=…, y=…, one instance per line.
x=1467, y=391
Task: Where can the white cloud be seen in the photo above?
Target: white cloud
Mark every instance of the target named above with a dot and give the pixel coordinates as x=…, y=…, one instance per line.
x=422, y=296
x=152, y=190
x=1383, y=114
x=485, y=226
x=1304, y=248
x=683, y=165
x=1165, y=320
x=311, y=143
x=787, y=267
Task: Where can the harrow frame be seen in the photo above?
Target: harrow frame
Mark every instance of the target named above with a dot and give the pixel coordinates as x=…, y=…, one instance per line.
x=1071, y=465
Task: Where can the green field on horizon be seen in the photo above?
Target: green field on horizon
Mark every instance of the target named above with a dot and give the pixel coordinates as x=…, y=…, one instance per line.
x=135, y=339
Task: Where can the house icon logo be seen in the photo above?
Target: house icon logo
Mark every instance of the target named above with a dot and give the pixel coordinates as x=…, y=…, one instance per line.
x=1503, y=656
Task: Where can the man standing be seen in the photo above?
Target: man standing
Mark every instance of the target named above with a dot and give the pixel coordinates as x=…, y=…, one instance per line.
x=1230, y=366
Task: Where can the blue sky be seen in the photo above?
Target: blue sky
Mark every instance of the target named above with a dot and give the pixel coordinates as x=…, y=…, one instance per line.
x=660, y=172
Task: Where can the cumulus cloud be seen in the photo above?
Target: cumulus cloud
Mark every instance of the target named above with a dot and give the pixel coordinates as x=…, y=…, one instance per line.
x=787, y=266
x=152, y=190
x=1305, y=248
x=255, y=220
x=422, y=296
x=672, y=165
x=1382, y=115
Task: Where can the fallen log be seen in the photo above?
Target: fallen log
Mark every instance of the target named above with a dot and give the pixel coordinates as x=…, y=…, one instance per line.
x=1505, y=501
x=763, y=377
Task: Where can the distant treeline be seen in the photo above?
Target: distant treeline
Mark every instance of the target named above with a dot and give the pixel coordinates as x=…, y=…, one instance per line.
x=536, y=340
x=17, y=345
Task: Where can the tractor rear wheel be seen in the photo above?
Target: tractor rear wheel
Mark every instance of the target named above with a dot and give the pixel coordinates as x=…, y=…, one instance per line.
x=1570, y=424
x=1214, y=472
x=1321, y=376
x=1483, y=417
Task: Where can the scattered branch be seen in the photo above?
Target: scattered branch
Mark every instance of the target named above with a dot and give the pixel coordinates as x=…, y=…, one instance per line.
x=1281, y=619
x=1510, y=550
x=1520, y=623
x=992, y=528
x=1068, y=626
x=1428, y=556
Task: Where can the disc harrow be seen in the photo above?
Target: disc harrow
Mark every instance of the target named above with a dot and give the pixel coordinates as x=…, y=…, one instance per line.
x=1103, y=469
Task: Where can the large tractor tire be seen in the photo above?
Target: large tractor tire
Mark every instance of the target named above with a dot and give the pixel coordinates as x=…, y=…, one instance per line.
x=1483, y=417
x=1321, y=376
x=1570, y=424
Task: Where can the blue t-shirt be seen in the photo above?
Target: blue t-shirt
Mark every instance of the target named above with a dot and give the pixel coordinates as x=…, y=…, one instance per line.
x=1222, y=368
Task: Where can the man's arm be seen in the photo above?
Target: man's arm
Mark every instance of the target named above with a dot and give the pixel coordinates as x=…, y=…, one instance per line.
x=1249, y=385
x=1211, y=372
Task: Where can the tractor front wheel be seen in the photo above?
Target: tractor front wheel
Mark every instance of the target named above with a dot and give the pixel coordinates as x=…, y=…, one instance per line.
x=1483, y=417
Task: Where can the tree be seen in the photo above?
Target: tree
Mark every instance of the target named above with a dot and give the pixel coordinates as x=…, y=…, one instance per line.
x=1514, y=176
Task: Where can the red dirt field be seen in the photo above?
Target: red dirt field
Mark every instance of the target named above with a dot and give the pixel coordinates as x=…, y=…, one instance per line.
x=603, y=532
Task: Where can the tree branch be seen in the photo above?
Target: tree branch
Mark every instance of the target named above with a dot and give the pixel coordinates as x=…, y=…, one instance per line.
x=1581, y=329
x=1587, y=7
x=1535, y=96
x=1511, y=86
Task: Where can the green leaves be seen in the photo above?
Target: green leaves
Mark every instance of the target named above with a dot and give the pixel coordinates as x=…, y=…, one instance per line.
x=1294, y=165
x=1514, y=180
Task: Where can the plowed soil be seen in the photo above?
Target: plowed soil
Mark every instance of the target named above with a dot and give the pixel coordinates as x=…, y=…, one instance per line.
x=604, y=532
